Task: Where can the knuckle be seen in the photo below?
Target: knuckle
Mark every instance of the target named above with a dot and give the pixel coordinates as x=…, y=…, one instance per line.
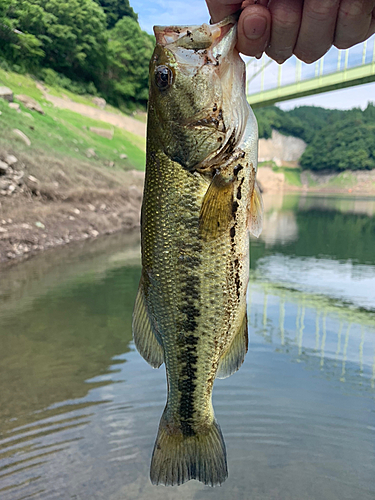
x=353, y=9
x=321, y=10
x=285, y=18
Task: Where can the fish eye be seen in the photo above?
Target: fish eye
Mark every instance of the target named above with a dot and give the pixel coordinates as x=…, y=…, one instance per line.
x=163, y=77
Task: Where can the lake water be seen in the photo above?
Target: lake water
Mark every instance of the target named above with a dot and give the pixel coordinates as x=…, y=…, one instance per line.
x=80, y=408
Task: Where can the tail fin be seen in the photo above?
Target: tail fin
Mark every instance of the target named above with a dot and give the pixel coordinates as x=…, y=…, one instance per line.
x=177, y=458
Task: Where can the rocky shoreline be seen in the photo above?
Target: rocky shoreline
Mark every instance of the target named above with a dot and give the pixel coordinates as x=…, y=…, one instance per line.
x=36, y=215
x=33, y=219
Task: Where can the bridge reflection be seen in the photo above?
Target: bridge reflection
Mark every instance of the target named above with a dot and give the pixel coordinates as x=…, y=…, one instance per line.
x=337, y=339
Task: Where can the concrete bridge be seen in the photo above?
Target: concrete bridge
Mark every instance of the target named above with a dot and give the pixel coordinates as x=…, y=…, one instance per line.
x=269, y=82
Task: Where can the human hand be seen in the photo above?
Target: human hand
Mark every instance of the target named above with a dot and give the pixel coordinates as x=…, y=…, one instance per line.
x=306, y=28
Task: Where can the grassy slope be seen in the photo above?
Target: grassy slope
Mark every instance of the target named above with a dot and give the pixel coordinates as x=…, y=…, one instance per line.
x=292, y=175
x=64, y=133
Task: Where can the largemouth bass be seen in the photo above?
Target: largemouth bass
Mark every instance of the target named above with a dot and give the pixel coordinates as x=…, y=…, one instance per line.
x=200, y=199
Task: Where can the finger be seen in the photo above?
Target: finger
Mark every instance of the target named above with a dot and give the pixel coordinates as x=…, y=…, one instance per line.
x=219, y=9
x=371, y=29
x=286, y=18
x=355, y=22
x=254, y=27
x=317, y=29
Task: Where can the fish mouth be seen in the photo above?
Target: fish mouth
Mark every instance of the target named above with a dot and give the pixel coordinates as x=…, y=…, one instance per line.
x=196, y=46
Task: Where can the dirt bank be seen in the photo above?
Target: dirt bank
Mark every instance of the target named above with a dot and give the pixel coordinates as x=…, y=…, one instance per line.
x=275, y=180
x=47, y=202
x=73, y=202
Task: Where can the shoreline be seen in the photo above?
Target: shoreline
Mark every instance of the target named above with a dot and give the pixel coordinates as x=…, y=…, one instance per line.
x=289, y=179
x=64, y=202
x=31, y=226
x=48, y=202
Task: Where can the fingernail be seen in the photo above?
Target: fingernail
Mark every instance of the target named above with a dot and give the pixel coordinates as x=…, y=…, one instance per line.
x=254, y=27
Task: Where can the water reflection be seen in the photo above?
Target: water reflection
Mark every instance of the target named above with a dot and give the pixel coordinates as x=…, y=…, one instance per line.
x=79, y=408
x=312, y=326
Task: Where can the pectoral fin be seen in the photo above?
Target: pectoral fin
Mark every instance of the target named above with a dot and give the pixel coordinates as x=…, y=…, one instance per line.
x=144, y=338
x=216, y=210
x=233, y=358
x=256, y=212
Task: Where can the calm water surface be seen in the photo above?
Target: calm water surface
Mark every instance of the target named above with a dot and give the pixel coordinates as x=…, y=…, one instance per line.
x=79, y=408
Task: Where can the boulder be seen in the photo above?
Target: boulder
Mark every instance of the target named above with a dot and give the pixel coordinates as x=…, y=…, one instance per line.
x=30, y=103
x=103, y=132
x=6, y=93
x=3, y=168
x=14, y=105
x=90, y=153
x=10, y=159
x=100, y=102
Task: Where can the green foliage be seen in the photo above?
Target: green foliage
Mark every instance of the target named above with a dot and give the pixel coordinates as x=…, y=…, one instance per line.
x=345, y=144
x=57, y=80
x=129, y=52
x=116, y=10
x=70, y=35
x=337, y=139
x=272, y=117
x=68, y=44
x=5, y=25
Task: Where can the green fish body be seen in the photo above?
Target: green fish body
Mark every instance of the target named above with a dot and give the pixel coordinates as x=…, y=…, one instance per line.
x=200, y=200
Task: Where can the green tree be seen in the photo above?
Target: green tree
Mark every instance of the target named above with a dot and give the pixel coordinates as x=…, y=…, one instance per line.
x=272, y=117
x=116, y=10
x=347, y=144
x=129, y=52
x=23, y=48
x=71, y=34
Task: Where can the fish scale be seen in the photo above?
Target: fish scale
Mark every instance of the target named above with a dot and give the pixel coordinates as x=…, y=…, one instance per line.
x=190, y=310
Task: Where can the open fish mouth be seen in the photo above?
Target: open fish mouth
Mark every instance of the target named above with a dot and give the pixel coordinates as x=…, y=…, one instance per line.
x=198, y=37
x=196, y=46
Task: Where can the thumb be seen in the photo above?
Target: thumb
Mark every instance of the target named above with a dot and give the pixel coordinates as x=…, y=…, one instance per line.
x=219, y=9
x=254, y=24
x=254, y=27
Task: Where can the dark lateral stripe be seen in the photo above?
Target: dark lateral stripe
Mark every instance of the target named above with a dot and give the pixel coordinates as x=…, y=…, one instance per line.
x=190, y=262
x=190, y=295
x=187, y=385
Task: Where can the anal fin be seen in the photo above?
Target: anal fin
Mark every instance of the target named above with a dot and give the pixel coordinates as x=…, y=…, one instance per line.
x=144, y=338
x=233, y=358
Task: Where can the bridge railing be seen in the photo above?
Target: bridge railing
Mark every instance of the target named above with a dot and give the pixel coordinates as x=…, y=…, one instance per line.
x=269, y=82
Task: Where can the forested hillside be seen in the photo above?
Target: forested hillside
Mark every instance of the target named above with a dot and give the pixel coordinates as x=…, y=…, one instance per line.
x=337, y=139
x=98, y=47
x=86, y=46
